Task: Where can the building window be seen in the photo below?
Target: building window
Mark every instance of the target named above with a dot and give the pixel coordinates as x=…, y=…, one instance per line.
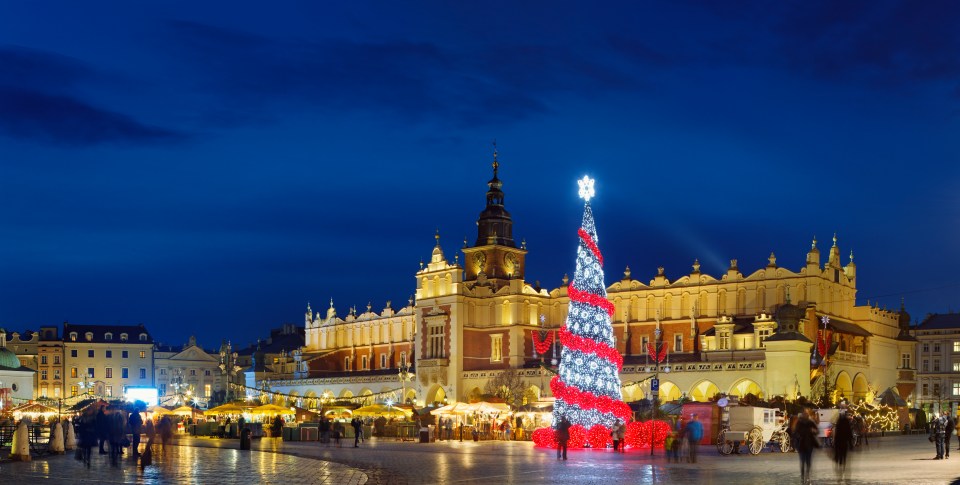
x=644, y=343
x=496, y=347
x=143, y=354
x=923, y=389
x=73, y=353
x=346, y=363
x=163, y=372
x=936, y=366
x=723, y=340
x=143, y=337
x=109, y=354
x=56, y=392
x=207, y=391
x=43, y=375
x=88, y=336
x=73, y=372
x=90, y=353
x=193, y=372
x=926, y=365
x=936, y=347
x=124, y=354
x=43, y=391
x=56, y=374
x=73, y=391
x=143, y=373
x=383, y=361
x=43, y=359
x=435, y=339
x=956, y=366
x=936, y=390
x=956, y=346
x=206, y=372
x=905, y=361
x=108, y=336
x=403, y=359
x=678, y=342
x=124, y=373
x=108, y=373
x=364, y=362
x=73, y=336
x=56, y=359
x=162, y=390
x=956, y=388
x=926, y=347
x=109, y=391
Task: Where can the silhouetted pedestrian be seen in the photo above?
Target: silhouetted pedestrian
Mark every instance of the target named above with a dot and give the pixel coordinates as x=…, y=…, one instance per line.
x=842, y=441
x=805, y=433
x=563, y=436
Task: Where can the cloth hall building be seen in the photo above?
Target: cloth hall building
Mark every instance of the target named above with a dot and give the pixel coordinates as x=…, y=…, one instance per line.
x=473, y=317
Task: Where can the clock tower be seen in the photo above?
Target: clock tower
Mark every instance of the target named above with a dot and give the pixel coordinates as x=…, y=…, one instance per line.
x=495, y=254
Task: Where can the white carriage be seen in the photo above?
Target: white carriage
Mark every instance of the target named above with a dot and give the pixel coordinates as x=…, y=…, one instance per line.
x=753, y=427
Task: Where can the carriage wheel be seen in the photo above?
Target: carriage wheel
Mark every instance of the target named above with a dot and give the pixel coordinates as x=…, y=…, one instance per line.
x=784, y=442
x=755, y=440
x=723, y=446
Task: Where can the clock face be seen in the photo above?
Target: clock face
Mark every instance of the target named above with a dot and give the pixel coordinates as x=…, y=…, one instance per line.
x=479, y=261
x=510, y=262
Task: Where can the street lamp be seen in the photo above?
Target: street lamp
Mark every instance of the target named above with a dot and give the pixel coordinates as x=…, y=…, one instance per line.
x=821, y=360
x=404, y=375
x=658, y=353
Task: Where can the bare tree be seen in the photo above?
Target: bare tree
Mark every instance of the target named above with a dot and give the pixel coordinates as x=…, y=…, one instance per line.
x=509, y=386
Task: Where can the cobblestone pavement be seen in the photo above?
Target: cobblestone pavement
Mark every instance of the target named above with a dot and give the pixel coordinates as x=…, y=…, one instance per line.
x=899, y=459
x=185, y=464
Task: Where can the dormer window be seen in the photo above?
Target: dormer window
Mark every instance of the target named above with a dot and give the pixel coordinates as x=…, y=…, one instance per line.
x=88, y=336
x=123, y=337
x=73, y=336
x=108, y=336
x=143, y=337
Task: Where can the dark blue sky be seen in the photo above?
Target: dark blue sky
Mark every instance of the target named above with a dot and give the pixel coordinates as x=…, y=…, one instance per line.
x=209, y=167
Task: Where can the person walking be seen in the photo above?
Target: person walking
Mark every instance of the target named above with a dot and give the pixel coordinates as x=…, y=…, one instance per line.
x=951, y=425
x=103, y=428
x=325, y=431
x=165, y=429
x=621, y=436
x=357, y=431
x=88, y=436
x=805, y=436
x=117, y=435
x=842, y=441
x=938, y=431
x=563, y=436
x=694, y=433
x=136, y=426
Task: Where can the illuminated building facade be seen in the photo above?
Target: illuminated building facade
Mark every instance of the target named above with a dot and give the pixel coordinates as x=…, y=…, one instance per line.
x=736, y=333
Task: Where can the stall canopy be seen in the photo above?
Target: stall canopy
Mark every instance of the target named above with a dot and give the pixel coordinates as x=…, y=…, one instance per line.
x=890, y=397
x=225, y=409
x=380, y=410
x=33, y=410
x=455, y=408
x=187, y=411
x=272, y=410
x=159, y=410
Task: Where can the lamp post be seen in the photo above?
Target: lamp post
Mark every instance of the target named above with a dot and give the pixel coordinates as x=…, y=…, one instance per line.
x=229, y=369
x=658, y=353
x=821, y=360
x=404, y=374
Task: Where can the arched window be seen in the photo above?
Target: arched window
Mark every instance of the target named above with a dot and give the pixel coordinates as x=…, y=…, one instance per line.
x=88, y=336
x=143, y=337
x=123, y=337
x=108, y=336
x=73, y=336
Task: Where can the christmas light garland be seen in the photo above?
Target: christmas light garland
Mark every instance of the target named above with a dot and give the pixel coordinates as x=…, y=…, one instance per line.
x=589, y=346
x=599, y=437
x=589, y=400
x=590, y=299
x=591, y=245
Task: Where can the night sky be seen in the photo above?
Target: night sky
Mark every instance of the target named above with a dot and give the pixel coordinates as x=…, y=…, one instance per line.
x=210, y=167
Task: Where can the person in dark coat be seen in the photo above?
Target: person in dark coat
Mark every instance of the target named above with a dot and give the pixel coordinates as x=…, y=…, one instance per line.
x=357, y=431
x=842, y=441
x=563, y=436
x=103, y=429
x=87, y=431
x=951, y=427
x=136, y=427
x=805, y=433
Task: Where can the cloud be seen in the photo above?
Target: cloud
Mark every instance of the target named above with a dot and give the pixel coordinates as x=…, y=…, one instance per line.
x=65, y=120
x=39, y=69
x=411, y=79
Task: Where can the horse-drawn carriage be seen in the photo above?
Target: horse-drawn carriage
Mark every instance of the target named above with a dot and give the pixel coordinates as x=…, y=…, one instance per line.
x=753, y=427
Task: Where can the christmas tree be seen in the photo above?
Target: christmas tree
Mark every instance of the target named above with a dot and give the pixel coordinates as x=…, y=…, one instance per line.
x=587, y=386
